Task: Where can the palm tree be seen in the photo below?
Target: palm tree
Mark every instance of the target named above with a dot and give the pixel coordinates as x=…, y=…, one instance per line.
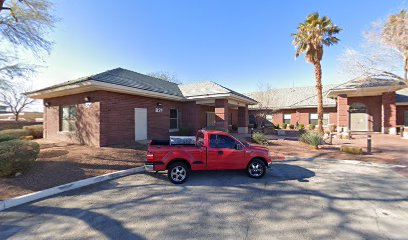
x=310, y=38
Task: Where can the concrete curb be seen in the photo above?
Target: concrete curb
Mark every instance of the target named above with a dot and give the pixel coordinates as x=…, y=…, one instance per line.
x=355, y=162
x=66, y=187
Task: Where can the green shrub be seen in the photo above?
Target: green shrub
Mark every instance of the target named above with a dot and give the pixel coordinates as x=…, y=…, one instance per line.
x=301, y=126
x=284, y=125
x=259, y=138
x=10, y=134
x=312, y=126
x=17, y=156
x=277, y=126
x=291, y=126
x=312, y=138
x=35, y=130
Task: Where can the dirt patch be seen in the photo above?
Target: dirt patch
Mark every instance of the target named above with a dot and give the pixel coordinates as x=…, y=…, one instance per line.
x=61, y=163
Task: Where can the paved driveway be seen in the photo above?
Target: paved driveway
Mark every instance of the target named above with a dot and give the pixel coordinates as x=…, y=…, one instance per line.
x=296, y=200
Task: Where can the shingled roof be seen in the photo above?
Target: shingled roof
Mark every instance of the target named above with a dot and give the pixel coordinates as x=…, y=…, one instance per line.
x=135, y=80
x=296, y=97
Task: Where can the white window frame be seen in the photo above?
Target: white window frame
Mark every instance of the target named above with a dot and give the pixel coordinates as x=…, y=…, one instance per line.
x=317, y=118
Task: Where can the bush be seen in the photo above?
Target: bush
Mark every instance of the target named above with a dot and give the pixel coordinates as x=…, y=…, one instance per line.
x=312, y=138
x=17, y=156
x=259, y=138
x=291, y=126
x=312, y=126
x=35, y=130
x=11, y=134
x=277, y=126
x=301, y=126
x=284, y=125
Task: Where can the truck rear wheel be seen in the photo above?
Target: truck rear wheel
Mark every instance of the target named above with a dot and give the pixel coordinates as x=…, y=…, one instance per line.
x=178, y=172
x=256, y=168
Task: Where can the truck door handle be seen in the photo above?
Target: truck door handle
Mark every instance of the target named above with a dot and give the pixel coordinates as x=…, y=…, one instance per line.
x=220, y=152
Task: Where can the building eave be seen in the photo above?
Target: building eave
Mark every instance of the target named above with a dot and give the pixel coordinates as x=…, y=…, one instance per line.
x=363, y=92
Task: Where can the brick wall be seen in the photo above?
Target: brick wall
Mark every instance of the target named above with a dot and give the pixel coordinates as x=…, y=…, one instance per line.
x=389, y=112
x=87, y=119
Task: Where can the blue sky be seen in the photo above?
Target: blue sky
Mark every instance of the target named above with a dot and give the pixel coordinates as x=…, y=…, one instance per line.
x=235, y=43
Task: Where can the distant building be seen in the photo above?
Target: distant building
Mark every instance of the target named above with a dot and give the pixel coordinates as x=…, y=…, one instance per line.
x=3, y=109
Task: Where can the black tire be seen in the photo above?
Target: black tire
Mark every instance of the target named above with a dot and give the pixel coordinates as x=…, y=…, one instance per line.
x=256, y=168
x=178, y=172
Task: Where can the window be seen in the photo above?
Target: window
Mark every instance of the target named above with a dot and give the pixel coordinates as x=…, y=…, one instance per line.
x=221, y=141
x=286, y=118
x=173, y=119
x=269, y=119
x=313, y=119
x=68, y=118
x=251, y=119
x=325, y=119
x=406, y=118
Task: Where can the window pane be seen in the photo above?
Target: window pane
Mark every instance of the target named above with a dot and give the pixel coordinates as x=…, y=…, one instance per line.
x=72, y=112
x=406, y=118
x=173, y=113
x=65, y=125
x=325, y=118
x=65, y=113
x=313, y=116
x=313, y=121
x=287, y=116
x=225, y=142
x=213, y=141
x=173, y=123
x=287, y=121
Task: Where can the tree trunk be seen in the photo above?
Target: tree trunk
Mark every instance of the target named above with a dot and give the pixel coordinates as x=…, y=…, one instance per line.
x=318, y=75
x=17, y=116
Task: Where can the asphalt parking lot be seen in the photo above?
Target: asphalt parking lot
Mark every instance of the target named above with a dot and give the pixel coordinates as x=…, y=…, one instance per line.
x=296, y=200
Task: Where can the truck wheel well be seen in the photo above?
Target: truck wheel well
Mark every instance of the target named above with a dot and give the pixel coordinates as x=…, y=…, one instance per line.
x=178, y=160
x=260, y=158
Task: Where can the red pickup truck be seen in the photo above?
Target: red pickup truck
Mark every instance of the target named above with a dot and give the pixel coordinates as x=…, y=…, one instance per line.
x=209, y=150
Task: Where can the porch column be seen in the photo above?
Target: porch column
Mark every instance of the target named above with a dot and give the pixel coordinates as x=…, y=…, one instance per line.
x=342, y=113
x=221, y=113
x=389, y=113
x=243, y=119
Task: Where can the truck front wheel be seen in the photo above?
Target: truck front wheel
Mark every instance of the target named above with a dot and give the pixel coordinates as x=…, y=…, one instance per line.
x=178, y=172
x=256, y=168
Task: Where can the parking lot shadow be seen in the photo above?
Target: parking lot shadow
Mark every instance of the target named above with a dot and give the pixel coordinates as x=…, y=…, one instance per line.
x=278, y=172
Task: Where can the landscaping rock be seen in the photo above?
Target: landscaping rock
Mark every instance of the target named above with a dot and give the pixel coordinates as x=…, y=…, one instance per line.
x=352, y=150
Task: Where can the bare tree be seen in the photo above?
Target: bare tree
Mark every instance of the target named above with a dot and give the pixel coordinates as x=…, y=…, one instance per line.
x=166, y=76
x=12, y=96
x=24, y=24
x=264, y=98
x=383, y=53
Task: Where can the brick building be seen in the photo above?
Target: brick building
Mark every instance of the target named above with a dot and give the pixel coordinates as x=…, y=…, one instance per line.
x=120, y=106
x=364, y=104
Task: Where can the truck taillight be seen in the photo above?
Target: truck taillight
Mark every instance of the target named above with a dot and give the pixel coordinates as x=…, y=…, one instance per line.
x=149, y=156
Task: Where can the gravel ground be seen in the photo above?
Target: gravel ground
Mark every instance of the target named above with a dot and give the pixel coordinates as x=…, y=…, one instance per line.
x=60, y=163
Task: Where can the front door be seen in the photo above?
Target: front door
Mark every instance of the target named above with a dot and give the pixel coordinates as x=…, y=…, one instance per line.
x=222, y=153
x=358, y=117
x=140, y=124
